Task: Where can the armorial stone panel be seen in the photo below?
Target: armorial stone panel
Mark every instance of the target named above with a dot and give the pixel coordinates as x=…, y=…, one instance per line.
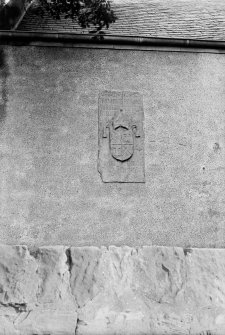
x=121, y=137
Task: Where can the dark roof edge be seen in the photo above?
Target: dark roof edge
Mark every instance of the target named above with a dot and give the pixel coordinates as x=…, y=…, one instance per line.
x=22, y=37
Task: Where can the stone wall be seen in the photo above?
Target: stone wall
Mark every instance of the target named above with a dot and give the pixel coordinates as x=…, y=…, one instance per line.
x=50, y=189
x=114, y=290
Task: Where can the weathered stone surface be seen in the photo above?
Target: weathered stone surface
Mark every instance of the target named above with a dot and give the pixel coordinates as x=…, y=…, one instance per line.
x=115, y=290
x=35, y=294
x=150, y=290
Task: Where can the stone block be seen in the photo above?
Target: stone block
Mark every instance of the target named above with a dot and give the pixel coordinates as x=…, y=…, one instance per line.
x=35, y=292
x=121, y=137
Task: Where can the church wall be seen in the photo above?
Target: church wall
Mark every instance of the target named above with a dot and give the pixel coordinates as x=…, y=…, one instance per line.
x=51, y=192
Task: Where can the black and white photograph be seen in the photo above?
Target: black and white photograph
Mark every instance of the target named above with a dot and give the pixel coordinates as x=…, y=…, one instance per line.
x=112, y=167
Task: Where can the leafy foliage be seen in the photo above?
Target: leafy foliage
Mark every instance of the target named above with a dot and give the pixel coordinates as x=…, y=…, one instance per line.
x=87, y=13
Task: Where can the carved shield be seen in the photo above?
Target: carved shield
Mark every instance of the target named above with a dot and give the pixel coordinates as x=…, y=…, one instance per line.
x=121, y=143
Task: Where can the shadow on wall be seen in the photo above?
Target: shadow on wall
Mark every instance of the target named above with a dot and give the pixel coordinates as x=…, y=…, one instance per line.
x=3, y=85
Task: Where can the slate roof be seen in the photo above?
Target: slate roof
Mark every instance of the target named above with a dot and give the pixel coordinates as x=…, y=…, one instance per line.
x=191, y=19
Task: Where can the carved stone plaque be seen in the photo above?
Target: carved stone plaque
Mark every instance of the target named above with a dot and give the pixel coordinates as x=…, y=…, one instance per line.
x=121, y=137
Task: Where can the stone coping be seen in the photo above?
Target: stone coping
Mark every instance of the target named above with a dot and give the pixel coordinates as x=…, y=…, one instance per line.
x=115, y=290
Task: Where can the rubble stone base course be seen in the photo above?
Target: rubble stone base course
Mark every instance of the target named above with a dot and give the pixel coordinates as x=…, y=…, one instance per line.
x=117, y=290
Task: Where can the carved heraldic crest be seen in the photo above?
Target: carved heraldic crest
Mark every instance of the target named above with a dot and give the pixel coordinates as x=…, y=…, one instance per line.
x=121, y=135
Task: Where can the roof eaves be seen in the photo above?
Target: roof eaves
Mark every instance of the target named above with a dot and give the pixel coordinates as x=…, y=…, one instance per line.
x=7, y=37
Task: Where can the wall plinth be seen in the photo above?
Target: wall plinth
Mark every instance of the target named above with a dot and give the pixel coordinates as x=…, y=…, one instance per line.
x=115, y=290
